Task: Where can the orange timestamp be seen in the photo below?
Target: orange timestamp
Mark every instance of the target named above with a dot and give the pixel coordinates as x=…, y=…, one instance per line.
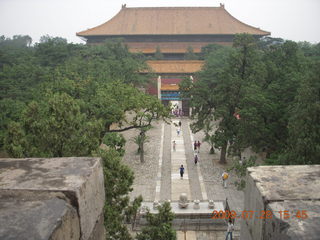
x=247, y=214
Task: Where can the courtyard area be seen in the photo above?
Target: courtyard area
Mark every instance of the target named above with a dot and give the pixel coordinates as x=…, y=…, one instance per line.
x=158, y=178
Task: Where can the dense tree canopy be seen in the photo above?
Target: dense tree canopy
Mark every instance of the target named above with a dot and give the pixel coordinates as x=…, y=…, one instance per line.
x=263, y=95
x=59, y=99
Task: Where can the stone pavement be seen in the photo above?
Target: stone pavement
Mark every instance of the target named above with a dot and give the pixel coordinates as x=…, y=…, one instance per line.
x=178, y=157
x=159, y=179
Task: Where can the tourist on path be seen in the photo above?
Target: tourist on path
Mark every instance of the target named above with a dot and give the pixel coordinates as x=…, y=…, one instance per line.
x=181, y=171
x=225, y=177
x=195, y=145
x=180, y=124
x=178, y=132
x=174, y=145
x=198, y=146
x=230, y=229
x=196, y=159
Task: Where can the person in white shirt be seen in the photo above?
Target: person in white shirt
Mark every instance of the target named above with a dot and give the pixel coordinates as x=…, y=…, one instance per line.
x=174, y=145
x=230, y=229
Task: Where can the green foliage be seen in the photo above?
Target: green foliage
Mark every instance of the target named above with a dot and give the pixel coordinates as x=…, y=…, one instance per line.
x=10, y=111
x=267, y=43
x=190, y=55
x=16, y=50
x=240, y=169
x=209, y=49
x=140, y=140
x=53, y=128
x=118, y=179
x=159, y=225
x=274, y=91
x=113, y=60
x=100, y=79
x=158, y=54
x=115, y=141
x=52, y=51
x=59, y=99
x=209, y=137
x=303, y=126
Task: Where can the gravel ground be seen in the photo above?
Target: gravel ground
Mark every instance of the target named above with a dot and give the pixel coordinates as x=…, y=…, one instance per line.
x=145, y=173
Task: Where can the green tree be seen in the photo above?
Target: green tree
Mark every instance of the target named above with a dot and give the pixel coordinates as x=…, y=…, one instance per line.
x=115, y=141
x=209, y=136
x=190, y=55
x=303, y=126
x=140, y=140
x=118, y=179
x=209, y=49
x=10, y=111
x=240, y=170
x=226, y=80
x=159, y=225
x=204, y=98
x=286, y=67
x=158, y=55
x=52, y=51
x=53, y=128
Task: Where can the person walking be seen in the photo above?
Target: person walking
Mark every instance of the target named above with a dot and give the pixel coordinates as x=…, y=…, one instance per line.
x=195, y=145
x=198, y=146
x=180, y=124
x=178, y=132
x=196, y=159
x=181, y=171
x=174, y=145
x=230, y=229
x=225, y=177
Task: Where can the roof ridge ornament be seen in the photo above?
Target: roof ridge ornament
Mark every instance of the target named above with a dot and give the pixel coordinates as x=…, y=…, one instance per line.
x=222, y=5
x=124, y=6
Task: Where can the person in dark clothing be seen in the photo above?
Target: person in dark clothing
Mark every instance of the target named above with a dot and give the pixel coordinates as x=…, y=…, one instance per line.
x=195, y=145
x=181, y=171
x=180, y=123
x=196, y=159
x=198, y=146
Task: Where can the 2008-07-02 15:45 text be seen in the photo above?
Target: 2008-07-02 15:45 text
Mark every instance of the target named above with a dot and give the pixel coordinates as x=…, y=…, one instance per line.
x=247, y=214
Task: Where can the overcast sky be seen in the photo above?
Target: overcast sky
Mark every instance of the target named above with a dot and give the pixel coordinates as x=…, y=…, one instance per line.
x=297, y=20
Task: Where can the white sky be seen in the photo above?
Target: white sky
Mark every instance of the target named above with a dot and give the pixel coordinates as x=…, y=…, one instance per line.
x=297, y=20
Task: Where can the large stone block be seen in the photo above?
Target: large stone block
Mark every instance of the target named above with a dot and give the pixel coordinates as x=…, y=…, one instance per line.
x=271, y=189
x=79, y=179
x=41, y=219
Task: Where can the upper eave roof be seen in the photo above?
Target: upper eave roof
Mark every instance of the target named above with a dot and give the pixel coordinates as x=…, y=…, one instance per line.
x=172, y=21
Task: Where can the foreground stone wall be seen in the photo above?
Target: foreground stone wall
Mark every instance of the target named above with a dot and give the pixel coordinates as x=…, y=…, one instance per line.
x=56, y=198
x=285, y=201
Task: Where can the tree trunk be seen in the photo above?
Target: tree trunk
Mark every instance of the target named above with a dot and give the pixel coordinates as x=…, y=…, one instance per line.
x=211, y=150
x=223, y=153
x=141, y=152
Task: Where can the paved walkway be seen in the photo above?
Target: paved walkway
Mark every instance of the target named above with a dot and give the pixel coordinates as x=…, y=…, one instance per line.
x=178, y=157
x=201, y=181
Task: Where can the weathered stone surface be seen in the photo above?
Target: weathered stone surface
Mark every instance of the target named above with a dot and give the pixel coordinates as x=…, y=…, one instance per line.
x=79, y=179
x=287, y=182
x=98, y=232
x=38, y=219
x=280, y=188
x=299, y=225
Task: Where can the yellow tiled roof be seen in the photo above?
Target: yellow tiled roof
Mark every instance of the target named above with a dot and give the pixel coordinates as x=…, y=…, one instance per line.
x=169, y=87
x=175, y=66
x=172, y=21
